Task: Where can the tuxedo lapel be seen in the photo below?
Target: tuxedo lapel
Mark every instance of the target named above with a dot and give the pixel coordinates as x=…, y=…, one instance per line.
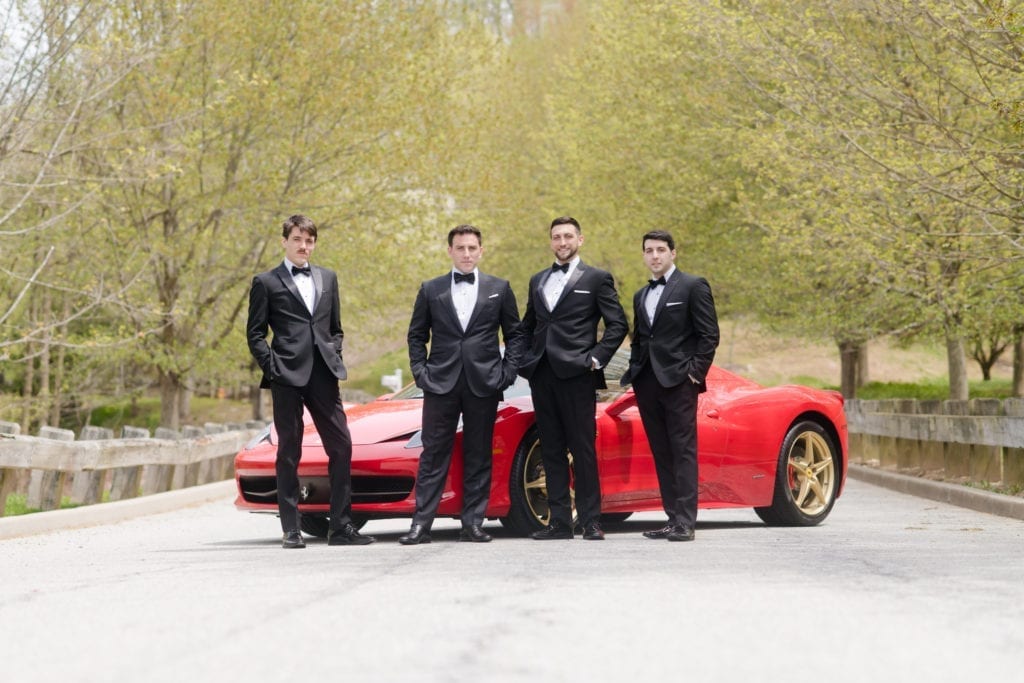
x=318, y=286
x=289, y=283
x=483, y=292
x=444, y=298
x=577, y=273
x=670, y=288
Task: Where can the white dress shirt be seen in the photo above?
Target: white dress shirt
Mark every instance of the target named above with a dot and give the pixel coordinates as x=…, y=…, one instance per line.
x=555, y=284
x=464, y=297
x=653, y=296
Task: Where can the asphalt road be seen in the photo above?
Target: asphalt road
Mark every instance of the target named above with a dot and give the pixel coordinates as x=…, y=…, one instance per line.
x=891, y=588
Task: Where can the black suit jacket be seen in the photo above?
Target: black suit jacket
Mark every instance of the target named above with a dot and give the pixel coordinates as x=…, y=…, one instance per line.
x=275, y=302
x=475, y=351
x=680, y=345
x=567, y=335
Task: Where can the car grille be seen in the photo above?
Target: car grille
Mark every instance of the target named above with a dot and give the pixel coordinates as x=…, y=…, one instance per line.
x=315, y=490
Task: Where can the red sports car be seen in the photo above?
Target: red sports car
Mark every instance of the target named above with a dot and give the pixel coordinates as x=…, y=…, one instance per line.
x=780, y=450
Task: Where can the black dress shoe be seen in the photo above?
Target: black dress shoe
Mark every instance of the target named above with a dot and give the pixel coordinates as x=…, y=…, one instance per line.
x=418, y=533
x=348, y=535
x=592, y=532
x=475, y=534
x=680, y=533
x=292, y=539
x=552, y=532
x=663, y=532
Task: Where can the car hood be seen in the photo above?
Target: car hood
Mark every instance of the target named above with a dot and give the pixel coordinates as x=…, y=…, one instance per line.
x=385, y=421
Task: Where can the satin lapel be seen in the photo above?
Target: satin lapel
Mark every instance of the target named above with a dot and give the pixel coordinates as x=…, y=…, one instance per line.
x=539, y=292
x=483, y=290
x=448, y=304
x=670, y=287
x=318, y=286
x=289, y=282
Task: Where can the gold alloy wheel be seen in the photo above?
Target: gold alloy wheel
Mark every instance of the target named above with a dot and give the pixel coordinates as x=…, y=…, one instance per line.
x=812, y=473
x=535, y=485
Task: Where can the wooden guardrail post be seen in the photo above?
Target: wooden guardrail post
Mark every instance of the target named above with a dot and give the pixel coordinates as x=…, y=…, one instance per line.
x=1013, y=457
x=8, y=476
x=985, y=462
x=87, y=487
x=956, y=456
x=46, y=487
x=124, y=481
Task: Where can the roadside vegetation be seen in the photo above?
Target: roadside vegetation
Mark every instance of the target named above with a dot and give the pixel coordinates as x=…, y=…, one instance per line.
x=846, y=170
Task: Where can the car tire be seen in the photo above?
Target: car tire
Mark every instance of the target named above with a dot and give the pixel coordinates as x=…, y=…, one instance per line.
x=319, y=526
x=528, y=493
x=806, y=478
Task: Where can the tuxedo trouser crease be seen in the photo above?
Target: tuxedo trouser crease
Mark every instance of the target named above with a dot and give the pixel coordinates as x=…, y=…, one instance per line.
x=564, y=410
x=669, y=416
x=440, y=421
x=322, y=397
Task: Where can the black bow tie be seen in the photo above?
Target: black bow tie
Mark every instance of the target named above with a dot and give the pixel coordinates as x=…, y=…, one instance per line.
x=465, y=277
x=564, y=267
x=301, y=271
x=654, y=283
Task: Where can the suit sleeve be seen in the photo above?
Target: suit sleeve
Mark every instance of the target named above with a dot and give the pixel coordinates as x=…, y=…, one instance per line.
x=257, y=326
x=512, y=333
x=419, y=332
x=337, y=333
x=705, y=322
x=615, y=324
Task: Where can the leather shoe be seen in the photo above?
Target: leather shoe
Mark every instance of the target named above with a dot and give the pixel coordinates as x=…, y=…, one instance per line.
x=663, y=532
x=418, y=533
x=475, y=534
x=292, y=539
x=680, y=533
x=348, y=535
x=592, y=532
x=552, y=532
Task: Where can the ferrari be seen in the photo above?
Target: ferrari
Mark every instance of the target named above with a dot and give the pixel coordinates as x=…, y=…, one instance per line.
x=779, y=450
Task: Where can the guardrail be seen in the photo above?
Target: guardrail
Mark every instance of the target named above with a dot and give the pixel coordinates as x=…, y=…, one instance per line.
x=979, y=441
x=54, y=466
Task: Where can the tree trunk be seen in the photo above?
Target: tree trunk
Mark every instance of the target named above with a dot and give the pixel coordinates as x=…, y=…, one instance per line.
x=1018, y=365
x=256, y=399
x=848, y=353
x=957, y=361
x=170, y=400
x=863, y=375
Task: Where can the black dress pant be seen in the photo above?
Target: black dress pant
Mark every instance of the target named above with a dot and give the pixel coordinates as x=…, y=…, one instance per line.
x=323, y=399
x=440, y=421
x=669, y=415
x=564, y=409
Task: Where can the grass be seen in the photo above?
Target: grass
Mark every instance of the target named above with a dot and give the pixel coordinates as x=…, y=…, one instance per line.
x=934, y=390
x=17, y=504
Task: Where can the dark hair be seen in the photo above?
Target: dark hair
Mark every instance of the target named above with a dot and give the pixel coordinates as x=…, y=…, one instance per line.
x=465, y=230
x=566, y=220
x=301, y=222
x=661, y=236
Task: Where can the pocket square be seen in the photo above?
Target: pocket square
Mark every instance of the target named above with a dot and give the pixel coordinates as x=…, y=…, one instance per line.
x=493, y=296
x=675, y=303
x=581, y=291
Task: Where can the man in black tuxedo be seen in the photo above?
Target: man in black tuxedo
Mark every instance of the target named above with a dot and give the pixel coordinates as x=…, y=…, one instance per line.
x=675, y=335
x=564, y=362
x=302, y=365
x=460, y=314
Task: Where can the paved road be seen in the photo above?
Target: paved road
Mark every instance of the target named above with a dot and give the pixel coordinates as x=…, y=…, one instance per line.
x=891, y=588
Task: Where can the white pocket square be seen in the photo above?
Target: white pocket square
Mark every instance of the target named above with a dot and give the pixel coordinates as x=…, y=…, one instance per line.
x=581, y=291
x=674, y=303
x=493, y=296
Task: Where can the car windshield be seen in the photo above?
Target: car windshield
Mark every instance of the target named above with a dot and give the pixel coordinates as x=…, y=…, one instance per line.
x=612, y=373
